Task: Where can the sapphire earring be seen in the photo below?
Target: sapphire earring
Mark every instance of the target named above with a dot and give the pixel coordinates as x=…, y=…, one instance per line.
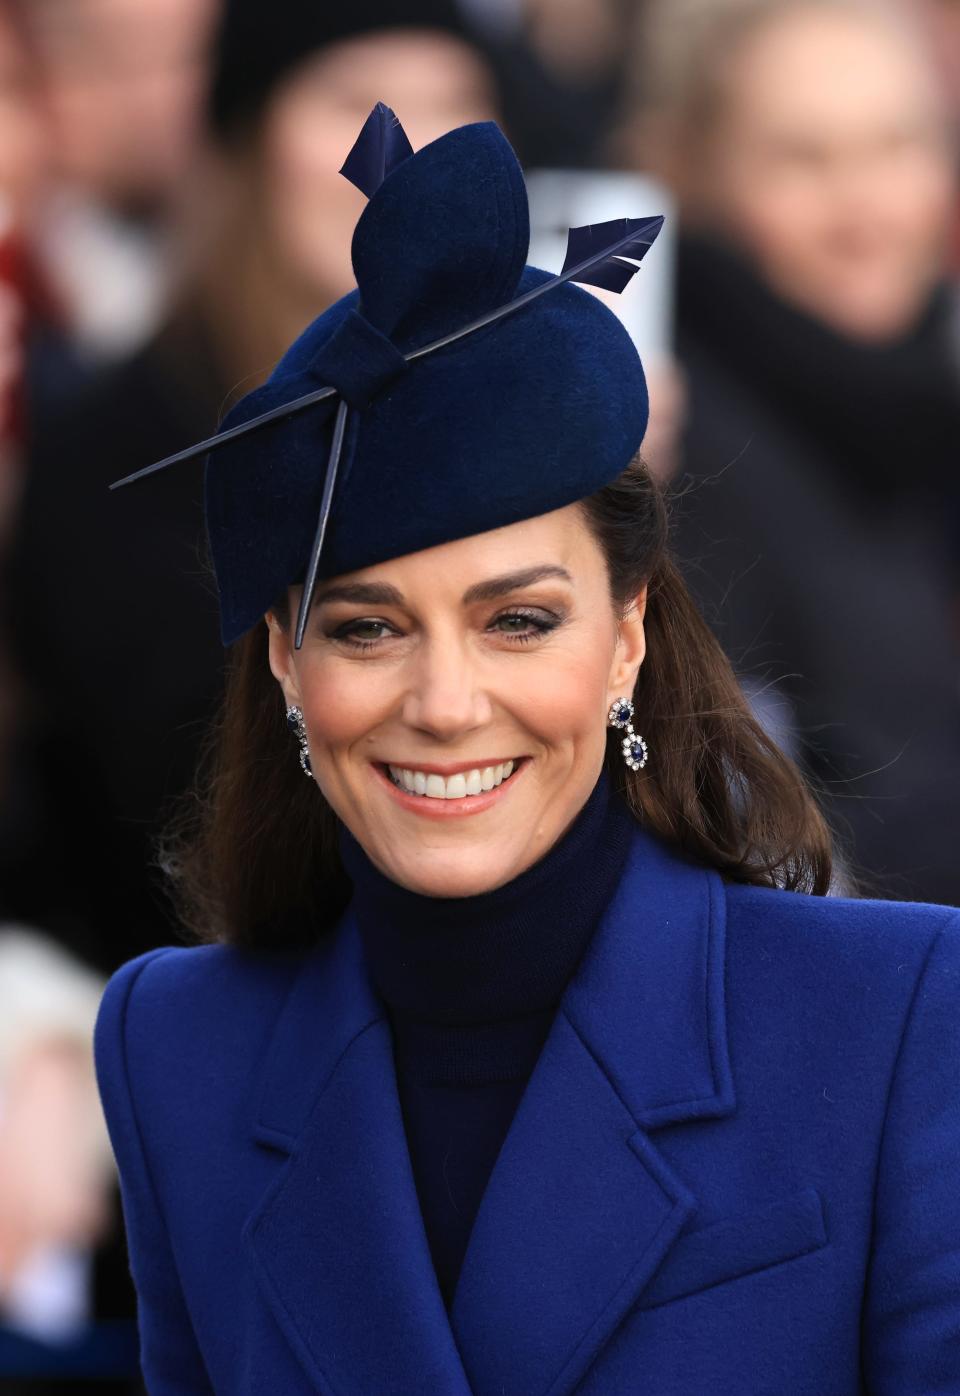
x=634, y=748
x=296, y=725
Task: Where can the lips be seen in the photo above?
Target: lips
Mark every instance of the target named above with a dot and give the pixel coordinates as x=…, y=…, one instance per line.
x=431, y=785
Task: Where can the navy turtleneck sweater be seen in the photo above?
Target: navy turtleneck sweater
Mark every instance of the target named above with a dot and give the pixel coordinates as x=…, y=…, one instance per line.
x=471, y=986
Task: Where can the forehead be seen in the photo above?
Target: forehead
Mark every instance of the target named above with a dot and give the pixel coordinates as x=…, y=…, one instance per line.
x=829, y=71
x=560, y=538
x=353, y=65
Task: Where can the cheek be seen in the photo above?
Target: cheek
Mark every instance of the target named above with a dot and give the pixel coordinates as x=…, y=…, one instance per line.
x=777, y=214
x=558, y=697
x=22, y=150
x=343, y=704
x=561, y=700
x=921, y=199
x=313, y=212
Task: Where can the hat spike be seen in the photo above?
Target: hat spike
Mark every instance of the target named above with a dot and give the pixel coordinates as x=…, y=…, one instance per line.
x=310, y=582
x=286, y=409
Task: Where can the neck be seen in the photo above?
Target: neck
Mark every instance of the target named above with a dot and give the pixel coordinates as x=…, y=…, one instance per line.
x=502, y=954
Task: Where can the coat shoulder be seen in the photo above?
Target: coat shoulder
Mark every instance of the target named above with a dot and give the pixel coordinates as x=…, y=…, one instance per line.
x=172, y=984
x=803, y=914
x=181, y=1013
x=839, y=938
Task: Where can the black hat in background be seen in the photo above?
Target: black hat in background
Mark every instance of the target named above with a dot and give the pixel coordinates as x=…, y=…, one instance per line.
x=259, y=42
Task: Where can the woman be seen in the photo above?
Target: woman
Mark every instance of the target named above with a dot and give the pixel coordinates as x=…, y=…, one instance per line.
x=577, y=1094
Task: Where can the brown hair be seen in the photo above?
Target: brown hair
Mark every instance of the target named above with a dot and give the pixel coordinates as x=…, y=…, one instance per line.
x=252, y=855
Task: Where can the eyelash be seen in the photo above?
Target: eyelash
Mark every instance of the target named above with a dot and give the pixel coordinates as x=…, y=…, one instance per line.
x=542, y=622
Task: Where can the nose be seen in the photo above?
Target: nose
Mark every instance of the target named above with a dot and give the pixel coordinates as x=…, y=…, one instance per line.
x=445, y=698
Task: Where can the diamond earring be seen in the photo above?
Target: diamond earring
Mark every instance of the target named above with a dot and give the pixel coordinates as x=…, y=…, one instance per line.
x=633, y=747
x=296, y=725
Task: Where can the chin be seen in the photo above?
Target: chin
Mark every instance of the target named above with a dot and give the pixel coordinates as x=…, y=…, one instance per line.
x=445, y=875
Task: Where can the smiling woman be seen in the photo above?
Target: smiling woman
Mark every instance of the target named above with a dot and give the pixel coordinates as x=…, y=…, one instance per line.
x=517, y=1065
x=463, y=658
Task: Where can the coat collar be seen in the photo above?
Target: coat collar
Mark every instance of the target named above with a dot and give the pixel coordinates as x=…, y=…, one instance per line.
x=581, y=1207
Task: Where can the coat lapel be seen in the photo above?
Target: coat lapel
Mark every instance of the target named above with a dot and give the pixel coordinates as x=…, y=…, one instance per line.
x=338, y=1242
x=581, y=1208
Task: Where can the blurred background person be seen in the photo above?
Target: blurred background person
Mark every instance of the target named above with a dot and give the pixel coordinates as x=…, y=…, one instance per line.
x=123, y=84
x=56, y=1168
x=286, y=103
x=811, y=155
x=266, y=221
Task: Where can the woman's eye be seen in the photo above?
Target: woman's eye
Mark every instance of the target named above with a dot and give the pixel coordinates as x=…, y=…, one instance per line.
x=362, y=632
x=524, y=625
x=521, y=626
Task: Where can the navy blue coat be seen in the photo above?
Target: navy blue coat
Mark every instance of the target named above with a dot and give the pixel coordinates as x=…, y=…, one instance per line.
x=735, y=1169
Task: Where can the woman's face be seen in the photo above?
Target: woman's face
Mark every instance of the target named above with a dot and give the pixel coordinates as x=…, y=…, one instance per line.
x=433, y=81
x=829, y=163
x=455, y=699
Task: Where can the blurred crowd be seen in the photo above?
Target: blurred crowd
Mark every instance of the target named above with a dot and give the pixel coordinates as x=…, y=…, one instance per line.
x=171, y=216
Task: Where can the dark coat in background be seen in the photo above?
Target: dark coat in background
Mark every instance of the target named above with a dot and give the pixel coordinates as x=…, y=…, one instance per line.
x=733, y=1169
x=111, y=611
x=819, y=528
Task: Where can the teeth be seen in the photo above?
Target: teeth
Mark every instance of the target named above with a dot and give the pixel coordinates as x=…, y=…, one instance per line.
x=456, y=787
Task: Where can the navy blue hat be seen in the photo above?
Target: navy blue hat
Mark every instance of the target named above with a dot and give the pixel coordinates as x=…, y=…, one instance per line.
x=397, y=440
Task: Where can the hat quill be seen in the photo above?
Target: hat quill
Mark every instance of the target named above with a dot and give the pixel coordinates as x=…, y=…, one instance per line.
x=379, y=148
x=605, y=255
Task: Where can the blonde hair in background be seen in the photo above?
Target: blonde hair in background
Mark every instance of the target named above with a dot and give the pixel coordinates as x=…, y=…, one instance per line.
x=46, y=995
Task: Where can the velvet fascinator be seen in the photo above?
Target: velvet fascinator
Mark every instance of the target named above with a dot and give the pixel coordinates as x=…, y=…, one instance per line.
x=456, y=390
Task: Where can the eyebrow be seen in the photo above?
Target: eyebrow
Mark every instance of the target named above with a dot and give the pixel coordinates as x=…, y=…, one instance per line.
x=514, y=581
x=383, y=594
x=363, y=593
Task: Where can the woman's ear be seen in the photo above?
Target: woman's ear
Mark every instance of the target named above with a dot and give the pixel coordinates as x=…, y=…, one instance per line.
x=630, y=650
x=282, y=665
